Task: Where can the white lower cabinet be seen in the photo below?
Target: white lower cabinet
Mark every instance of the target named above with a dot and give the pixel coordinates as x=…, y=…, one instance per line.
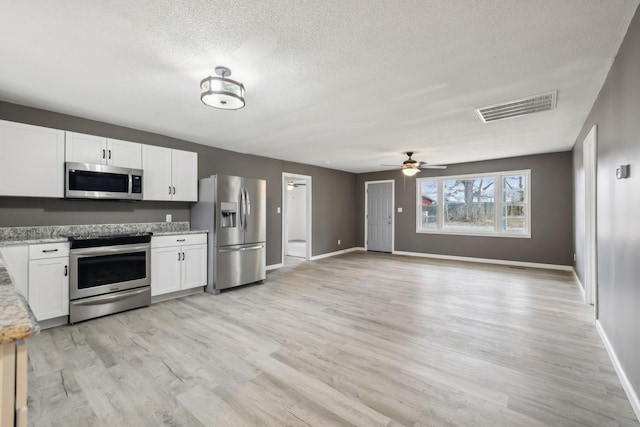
x=49, y=280
x=16, y=259
x=178, y=262
x=165, y=270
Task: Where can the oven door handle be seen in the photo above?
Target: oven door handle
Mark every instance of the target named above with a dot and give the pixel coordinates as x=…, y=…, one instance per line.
x=109, y=298
x=109, y=250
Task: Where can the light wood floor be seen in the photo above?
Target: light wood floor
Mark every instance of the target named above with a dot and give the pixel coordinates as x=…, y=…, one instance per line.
x=361, y=339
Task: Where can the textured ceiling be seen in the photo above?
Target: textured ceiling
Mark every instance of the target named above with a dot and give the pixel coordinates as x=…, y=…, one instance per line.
x=337, y=83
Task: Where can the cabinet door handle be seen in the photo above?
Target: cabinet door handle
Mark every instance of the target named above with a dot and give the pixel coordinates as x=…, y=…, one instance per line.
x=183, y=256
x=178, y=256
x=174, y=190
x=66, y=270
x=49, y=250
x=104, y=153
x=169, y=189
x=181, y=240
x=109, y=153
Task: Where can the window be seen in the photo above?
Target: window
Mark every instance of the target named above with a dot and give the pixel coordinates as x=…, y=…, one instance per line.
x=495, y=204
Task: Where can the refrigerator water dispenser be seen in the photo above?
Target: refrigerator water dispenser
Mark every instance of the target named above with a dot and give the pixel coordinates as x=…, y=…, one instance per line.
x=229, y=211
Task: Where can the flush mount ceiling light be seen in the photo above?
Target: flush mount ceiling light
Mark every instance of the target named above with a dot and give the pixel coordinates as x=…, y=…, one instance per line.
x=221, y=92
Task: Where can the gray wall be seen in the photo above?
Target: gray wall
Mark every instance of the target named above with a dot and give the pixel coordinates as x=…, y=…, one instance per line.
x=551, y=217
x=617, y=114
x=330, y=188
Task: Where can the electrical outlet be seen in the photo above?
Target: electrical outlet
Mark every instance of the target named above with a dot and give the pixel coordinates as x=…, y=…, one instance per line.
x=338, y=242
x=278, y=209
x=574, y=257
x=168, y=218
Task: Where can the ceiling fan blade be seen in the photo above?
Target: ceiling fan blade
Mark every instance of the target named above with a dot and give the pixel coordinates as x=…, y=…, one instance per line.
x=433, y=167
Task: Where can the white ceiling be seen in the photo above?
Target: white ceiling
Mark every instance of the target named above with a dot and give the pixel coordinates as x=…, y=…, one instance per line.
x=343, y=84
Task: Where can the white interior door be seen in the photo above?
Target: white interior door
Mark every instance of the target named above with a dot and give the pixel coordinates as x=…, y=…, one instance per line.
x=589, y=153
x=379, y=216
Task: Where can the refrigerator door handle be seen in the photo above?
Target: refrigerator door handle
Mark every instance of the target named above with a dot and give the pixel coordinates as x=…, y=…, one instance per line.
x=250, y=248
x=241, y=210
x=247, y=201
x=243, y=191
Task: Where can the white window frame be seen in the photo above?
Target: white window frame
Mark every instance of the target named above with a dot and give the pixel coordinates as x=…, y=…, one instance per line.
x=498, y=204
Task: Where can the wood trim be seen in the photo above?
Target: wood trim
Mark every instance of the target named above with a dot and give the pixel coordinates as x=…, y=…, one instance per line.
x=330, y=254
x=274, y=266
x=626, y=384
x=22, y=367
x=7, y=383
x=488, y=261
x=577, y=279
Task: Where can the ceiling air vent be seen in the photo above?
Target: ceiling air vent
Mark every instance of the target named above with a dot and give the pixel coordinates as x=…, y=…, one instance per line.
x=520, y=107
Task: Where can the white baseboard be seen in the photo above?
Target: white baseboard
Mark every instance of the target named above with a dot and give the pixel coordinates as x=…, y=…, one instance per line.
x=626, y=384
x=274, y=266
x=330, y=254
x=488, y=261
x=575, y=275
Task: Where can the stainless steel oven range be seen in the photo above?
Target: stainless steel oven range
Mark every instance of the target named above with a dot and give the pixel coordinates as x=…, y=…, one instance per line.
x=108, y=274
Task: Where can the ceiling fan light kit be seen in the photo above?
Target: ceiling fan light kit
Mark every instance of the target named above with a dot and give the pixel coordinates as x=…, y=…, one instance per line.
x=411, y=167
x=410, y=171
x=221, y=92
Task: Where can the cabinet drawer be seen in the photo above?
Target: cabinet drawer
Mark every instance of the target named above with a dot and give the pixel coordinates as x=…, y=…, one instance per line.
x=178, y=240
x=49, y=250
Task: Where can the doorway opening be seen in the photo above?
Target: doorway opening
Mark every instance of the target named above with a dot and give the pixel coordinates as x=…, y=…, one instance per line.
x=379, y=218
x=296, y=216
x=589, y=160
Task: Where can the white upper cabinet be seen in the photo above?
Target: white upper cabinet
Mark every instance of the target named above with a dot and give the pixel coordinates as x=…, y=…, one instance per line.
x=156, y=170
x=83, y=148
x=31, y=160
x=184, y=174
x=169, y=174
x=124, y=154
x=99, y=150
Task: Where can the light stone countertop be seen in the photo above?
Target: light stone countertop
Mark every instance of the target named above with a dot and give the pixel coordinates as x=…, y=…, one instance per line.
x=17, y=321
x=55, y=234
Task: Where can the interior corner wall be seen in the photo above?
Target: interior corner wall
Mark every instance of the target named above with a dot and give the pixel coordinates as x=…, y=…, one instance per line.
x=333, y=196
x=616, y=112
x=551, y=239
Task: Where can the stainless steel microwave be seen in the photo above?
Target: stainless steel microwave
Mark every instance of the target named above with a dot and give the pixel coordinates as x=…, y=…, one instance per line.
x=87, y=181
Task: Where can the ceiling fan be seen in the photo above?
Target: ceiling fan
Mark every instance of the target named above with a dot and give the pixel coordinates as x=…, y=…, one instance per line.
x=411, y=167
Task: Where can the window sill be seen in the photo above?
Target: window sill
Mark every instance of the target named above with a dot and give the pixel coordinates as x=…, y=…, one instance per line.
x=478, y=234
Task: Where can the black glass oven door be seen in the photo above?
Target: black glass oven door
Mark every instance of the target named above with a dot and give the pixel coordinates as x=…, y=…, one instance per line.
x=96, y=271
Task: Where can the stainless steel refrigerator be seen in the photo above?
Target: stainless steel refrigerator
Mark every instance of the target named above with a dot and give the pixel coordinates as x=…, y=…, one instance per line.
x=233, y=209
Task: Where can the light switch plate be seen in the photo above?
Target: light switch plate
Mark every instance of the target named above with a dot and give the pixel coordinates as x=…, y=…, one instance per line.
x=168, y=218
x=399, y=210
x=278, y=209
